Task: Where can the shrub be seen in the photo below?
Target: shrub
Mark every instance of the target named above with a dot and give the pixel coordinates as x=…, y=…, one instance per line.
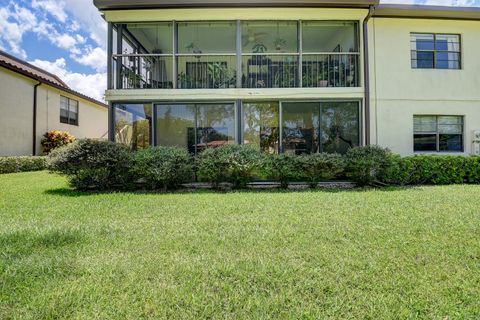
x=55, y=139
x=163, y=167
x=92, y=164
x=22, y=164
x=229, y=163
x=367, y=165
x=320, y=166
x=282, y=168
x=434, y=169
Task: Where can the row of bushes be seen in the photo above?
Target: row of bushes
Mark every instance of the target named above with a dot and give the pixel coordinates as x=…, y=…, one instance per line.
x=105, y=165
x=22, y=164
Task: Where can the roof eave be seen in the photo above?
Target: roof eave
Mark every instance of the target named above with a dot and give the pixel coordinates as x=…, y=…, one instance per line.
x=427, y=12
x=168, y=4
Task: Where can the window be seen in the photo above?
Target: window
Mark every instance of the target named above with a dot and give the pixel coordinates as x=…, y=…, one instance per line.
x=133, y=123
x=68, y=111
x=435, y=51
x=195, y=126
x=310, y=127
x=438, y=133
x=261, y=125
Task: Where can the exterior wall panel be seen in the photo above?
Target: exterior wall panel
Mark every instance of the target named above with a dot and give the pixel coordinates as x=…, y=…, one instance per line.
x=399, y=92
x=16, y=115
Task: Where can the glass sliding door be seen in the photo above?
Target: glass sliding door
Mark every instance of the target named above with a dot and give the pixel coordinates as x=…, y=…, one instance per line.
x=174, y=123
x=215, y=125
x=133, y=123
x=339, y=126
x=261, y=126
x=195, y=126
x=309, y=127
x=300, y=121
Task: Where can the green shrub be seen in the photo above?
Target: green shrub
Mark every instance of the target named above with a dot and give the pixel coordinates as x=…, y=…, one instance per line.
x=229, y=163
x=319, y=167
x=434, y=169
x=92, y=164
x=163, y=167
x=55, y=139
x=22, y=164
x=367, y=165
x=282, y=168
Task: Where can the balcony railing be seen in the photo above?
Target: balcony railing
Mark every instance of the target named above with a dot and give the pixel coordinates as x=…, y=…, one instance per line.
x=219, y=71
x=206, y=71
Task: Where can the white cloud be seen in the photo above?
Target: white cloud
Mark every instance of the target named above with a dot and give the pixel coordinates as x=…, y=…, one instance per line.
x=89, y=18
x=14, y=22
x=93, y=57
x=92, y=85
x=55, y=8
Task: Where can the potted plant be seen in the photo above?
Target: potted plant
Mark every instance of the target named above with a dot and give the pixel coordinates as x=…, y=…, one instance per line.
x=279, y=43
x=133, y=79
x=322, y=80
x=184, y=81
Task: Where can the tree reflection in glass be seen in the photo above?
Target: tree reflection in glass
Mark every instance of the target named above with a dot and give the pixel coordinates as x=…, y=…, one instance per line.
x=261, y=126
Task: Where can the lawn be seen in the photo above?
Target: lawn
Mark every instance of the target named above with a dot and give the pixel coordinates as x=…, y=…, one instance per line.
x=379, y=254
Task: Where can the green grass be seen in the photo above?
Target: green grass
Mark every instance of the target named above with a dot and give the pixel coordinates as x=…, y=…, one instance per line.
x=379, y=254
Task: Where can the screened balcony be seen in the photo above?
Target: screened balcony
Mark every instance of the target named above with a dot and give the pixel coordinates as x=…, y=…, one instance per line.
x=234, y=54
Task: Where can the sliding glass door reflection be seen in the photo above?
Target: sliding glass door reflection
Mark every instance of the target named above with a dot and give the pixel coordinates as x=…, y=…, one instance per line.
x=133, y=123
x=261, y=126
x=195, y=126
x=300, y=121
x=339, y=126
x=310, y=127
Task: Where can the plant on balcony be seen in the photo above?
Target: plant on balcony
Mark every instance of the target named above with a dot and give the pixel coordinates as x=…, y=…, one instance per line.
x=259, y=48
x=184, y=81
x=279, y=43
x=134, y=80
x=221, y=75
x=192, y=47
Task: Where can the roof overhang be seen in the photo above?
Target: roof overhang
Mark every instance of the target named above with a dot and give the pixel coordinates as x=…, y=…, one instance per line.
x=159, y=4
x=427, y=12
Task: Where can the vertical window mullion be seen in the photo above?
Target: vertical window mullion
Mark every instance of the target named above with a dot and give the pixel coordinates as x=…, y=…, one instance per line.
x=300, y=53
x=174, y=54
x=239, y=54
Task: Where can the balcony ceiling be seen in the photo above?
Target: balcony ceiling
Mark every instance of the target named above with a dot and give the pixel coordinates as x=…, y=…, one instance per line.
x=151, y=4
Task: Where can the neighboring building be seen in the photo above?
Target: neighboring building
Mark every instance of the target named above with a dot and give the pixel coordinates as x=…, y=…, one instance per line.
x=33, y=101
x=290, y=75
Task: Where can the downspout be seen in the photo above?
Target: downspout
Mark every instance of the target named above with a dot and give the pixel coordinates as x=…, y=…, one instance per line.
x=366, y=73
x=34, y=145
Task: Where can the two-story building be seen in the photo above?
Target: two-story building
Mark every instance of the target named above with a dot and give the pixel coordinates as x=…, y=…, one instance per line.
x=293, y=76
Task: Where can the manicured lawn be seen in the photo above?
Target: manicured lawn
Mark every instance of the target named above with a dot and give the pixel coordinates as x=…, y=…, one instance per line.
x=378, y=254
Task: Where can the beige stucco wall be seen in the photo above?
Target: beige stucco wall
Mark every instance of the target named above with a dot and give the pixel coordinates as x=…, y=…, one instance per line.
x=16, y=109
x=399, y=92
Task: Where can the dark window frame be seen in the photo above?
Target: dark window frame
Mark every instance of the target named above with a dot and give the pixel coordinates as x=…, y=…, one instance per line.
x=69, y=120
x=438, y=134
x=435, y=50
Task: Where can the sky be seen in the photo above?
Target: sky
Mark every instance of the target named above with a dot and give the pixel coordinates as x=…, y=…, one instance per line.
x=69, y=38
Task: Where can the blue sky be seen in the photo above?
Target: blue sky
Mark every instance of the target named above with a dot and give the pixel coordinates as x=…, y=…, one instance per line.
x=68, y=37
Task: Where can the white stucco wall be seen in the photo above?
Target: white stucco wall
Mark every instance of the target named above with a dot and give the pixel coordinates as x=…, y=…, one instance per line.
x=399, y=92
x=16, y=114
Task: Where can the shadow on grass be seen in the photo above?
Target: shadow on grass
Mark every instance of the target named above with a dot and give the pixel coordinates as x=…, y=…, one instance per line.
x=66, y=192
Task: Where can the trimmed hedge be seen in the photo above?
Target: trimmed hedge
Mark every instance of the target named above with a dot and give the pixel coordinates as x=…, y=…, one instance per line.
x=93, y=165
x=102, y=165
x=231, y=163
x=22, y=164
x=368, y=165
x=163, y=167
x=283, y=168
x=433, y=169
